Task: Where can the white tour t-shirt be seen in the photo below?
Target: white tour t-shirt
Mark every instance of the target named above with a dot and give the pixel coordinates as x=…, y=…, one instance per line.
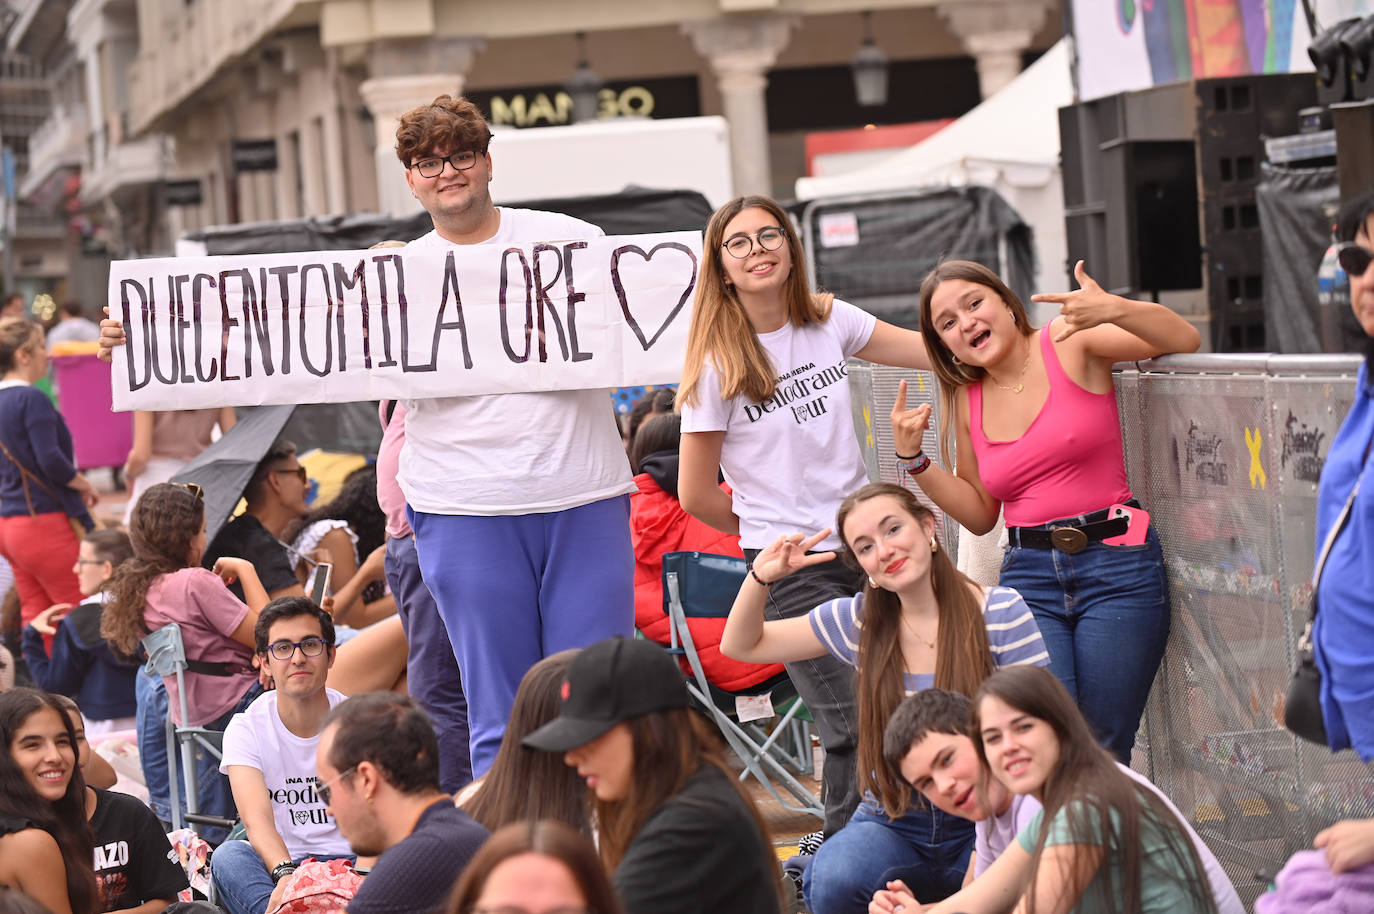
x=257, y=738
x=521, y=453
x=793, y=458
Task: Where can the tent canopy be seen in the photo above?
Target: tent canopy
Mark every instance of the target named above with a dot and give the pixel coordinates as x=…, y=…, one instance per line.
x=1010, y=143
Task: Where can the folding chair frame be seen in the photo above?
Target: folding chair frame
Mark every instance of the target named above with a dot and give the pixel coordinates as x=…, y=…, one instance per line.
x=758, y=758
x=167, y=657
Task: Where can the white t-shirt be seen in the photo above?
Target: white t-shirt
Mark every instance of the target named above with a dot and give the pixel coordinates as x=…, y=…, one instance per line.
x=522, y=453
x=257, y=738
x=792, y=459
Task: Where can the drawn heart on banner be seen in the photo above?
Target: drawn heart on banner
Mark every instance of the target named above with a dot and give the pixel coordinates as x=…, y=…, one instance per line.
x=624, y=300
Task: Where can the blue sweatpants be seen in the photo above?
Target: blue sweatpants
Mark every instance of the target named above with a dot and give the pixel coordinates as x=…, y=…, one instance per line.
x=431, y=668
x=513, y=589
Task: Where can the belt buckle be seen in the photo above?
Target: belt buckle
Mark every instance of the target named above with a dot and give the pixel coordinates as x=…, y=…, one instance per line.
x=1068, y=539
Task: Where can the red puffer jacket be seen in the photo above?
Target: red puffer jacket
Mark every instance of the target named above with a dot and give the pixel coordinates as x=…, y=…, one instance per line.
x=658, y=525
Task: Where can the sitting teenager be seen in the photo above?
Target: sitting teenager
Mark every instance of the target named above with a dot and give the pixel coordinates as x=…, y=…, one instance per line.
x=930, y=742
x=1101, y=842
x=269, y=758
x=164, y=582
x=378, y=771
x=524, y=784
x=81, y=664
x=535, y=865
x=658, y=525
x=676, y=831
x=134, y=873
x=918, y=624
x=45, y=843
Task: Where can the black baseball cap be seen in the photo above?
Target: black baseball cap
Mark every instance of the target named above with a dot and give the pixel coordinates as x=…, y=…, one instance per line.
x=607, y=683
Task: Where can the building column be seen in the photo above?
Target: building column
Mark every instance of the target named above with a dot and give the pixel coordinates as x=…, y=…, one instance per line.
x=741, y=50
x=995, y=33
x=406, y=73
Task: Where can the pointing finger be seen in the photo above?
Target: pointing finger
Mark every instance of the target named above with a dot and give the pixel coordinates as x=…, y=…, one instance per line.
x=900, y=404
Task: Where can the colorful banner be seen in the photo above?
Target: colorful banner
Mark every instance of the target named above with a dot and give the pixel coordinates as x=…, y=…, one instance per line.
x=340, y=326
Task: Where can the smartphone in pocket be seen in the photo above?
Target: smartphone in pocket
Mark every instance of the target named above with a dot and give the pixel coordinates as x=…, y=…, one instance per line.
x=319, y=589
x=1137, y=525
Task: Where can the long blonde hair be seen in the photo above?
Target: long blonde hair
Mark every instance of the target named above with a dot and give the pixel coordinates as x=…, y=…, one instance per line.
x=721, y=331
x=951, y=373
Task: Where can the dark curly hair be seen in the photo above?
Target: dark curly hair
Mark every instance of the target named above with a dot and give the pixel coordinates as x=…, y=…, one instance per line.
x=356, y=504
x=64, y=819
x=445, y=125
x=165, y=521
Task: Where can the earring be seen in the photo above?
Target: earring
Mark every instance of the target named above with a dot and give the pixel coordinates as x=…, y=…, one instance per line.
x=872, y=583
x=955, y=360
x=933, y=545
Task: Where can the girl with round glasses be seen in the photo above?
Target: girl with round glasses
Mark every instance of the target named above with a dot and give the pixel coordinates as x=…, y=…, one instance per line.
x=765, y=399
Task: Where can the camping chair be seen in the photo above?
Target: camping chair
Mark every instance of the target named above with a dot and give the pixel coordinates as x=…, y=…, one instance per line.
x=702, y=585
x=167, y=657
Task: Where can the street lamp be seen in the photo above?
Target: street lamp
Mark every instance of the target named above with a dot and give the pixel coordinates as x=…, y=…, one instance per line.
x=584, y=86
x=869, y=65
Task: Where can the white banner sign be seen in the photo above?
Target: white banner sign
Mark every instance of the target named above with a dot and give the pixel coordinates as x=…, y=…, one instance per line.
x=340, y=326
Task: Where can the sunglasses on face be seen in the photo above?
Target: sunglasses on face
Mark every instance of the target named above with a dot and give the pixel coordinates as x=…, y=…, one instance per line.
x=325, y=791
x=298, y=472
x=1353, y=258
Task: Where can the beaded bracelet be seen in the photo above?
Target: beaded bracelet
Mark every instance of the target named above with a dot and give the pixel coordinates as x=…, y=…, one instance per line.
x=914, y=465
x=755, y=575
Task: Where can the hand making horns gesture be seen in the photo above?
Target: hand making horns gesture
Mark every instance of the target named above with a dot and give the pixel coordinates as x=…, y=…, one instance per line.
x=787, y=554
x=908, y=425
x=1089, y=306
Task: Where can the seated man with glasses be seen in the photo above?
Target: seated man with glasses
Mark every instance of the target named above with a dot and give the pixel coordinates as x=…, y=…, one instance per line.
x=275, y=498
x=269, y=757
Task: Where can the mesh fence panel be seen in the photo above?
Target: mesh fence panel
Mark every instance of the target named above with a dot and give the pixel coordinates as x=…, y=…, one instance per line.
x=1226, y=461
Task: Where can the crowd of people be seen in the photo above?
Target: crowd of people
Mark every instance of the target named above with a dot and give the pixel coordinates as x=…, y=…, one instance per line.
x=466, y=722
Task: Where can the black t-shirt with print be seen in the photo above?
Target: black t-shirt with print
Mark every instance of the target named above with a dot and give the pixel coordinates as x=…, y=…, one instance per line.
x=134, y=862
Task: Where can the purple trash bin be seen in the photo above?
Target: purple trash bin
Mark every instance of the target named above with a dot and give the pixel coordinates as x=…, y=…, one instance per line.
x=100, y=437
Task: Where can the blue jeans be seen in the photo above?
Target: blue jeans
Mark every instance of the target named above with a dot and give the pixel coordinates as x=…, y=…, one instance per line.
x=151, y=696
x=431, y=667
x=242, y=883
x=1104, y=615
x=926, y=849
x=215, y=797
x=515, y=588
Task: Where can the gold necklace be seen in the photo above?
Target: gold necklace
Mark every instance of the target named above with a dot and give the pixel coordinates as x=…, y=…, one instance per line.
x=907, y=623
x=1021, y=378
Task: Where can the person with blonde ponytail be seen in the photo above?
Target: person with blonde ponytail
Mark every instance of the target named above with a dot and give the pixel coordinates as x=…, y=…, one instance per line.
x=765, y=399
x=919, y=623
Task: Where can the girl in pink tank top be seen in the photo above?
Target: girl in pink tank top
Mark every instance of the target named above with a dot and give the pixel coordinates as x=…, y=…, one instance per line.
x=1034, y=415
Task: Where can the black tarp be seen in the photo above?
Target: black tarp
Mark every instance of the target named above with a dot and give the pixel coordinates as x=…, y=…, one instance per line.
x=354, y=427
x=633, y=211
x=1297, y=207
x=903, y=235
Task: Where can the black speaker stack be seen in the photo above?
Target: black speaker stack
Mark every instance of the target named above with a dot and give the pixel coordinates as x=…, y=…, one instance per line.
x=1159, y=191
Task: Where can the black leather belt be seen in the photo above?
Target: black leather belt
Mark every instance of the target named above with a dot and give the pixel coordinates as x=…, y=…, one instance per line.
x=1073, y=535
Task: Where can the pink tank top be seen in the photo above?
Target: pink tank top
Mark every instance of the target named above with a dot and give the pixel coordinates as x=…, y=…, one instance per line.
x=1069, y=461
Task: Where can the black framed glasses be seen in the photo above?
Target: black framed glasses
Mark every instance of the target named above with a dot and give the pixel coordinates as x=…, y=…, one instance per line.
x=326, y=790
x=298, y=472
x=433, y=166
x=769, y=238
x=1353, y=258
x=285, y=650
x=191, y=487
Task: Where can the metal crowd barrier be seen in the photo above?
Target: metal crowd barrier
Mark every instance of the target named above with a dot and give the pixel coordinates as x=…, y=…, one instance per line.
x=1224, y=451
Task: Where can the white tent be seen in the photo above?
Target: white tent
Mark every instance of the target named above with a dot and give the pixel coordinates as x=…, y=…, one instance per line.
x=1010, y=143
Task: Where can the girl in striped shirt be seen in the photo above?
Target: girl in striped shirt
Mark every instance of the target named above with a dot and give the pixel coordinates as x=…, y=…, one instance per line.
x=919, y=623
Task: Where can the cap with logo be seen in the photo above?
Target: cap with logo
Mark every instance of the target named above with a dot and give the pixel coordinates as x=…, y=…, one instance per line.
x=608, y=683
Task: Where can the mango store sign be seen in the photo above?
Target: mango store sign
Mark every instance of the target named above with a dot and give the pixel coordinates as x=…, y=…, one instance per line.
x=340, y=326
